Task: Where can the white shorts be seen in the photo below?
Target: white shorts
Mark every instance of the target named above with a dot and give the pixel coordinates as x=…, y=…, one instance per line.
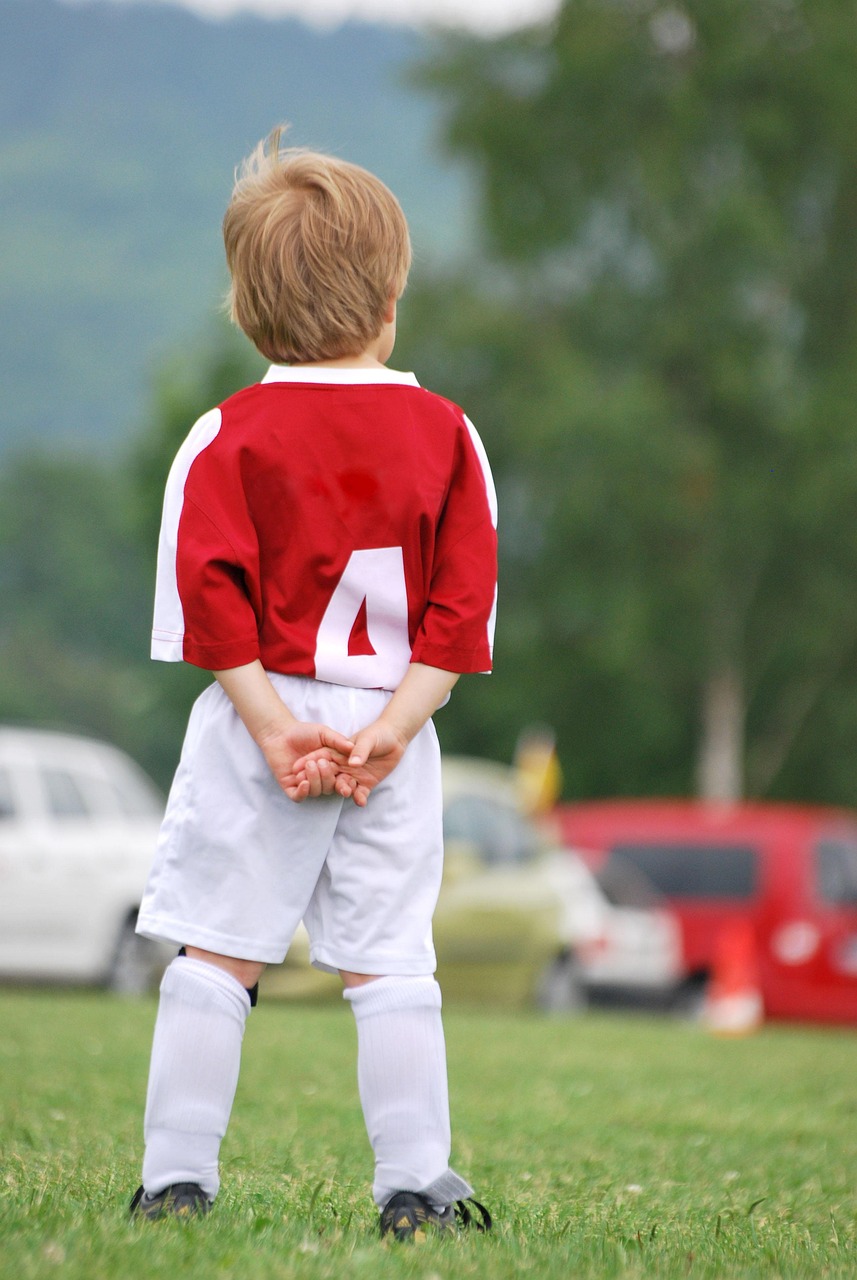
x=238, y=865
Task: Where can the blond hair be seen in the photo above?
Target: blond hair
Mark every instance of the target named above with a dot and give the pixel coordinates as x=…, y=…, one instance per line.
x=316, y=249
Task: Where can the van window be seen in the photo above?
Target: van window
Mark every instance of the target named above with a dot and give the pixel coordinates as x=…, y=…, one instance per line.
x=680, y=869
x=836, y=869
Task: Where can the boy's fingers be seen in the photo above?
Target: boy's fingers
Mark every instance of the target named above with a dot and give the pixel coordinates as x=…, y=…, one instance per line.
x=364, y=745
x=336, y=741
x=314, y=779
x=297, y=793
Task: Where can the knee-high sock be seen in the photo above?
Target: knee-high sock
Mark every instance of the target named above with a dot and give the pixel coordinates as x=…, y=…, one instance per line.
x=401, y=1075
x=196, y=1054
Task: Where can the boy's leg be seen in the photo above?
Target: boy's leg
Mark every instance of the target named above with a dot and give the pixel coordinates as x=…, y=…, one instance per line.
x=402, y=1078
x=196, y=1055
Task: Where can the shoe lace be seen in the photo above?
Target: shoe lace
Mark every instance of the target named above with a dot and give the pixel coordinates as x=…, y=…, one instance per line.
x=466, y=1218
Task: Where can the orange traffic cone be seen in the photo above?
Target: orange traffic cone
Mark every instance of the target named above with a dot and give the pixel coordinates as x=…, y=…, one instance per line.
x=733, y=1002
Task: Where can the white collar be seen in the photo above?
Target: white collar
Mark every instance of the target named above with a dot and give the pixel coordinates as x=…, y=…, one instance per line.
x=338, y=376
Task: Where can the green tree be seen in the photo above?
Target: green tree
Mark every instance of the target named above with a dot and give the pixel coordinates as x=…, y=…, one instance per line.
x=217, y=364
x=76, y=611
x=78, y=540
x=668, y=196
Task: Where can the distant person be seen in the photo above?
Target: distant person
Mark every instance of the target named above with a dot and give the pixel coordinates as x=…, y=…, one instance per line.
x=328, y=551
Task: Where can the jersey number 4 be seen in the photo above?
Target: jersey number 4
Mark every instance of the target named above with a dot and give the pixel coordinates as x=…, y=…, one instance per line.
x=363, y=636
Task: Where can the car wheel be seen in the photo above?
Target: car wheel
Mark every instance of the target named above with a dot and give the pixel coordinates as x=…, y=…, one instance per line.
x=561, y=988
x=689, y=1000
x=136, y=964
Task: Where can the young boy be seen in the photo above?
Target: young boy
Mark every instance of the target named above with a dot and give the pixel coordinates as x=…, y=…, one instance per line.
x=328, y=551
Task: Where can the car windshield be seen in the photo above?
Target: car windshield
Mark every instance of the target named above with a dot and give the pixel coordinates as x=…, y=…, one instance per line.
x=497, y=832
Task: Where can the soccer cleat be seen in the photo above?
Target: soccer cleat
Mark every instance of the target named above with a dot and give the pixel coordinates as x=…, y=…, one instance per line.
x=181, y=1200
x=410, y=1216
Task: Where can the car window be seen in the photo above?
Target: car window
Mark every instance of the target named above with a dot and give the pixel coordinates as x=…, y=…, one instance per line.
x=7, y=802
x=625, y=884
x=64, y=795
x=682, y=869
x=836, y=869
x=497, y=831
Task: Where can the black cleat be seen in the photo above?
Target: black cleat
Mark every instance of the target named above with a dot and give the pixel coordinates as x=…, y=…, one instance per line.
x=181, y=1200
x=410, y=1216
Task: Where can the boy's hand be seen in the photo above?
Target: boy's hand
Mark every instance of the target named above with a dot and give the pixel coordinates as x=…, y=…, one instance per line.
x=318, y=750
x=282, y=739
x=380, y=746
x=377, y=750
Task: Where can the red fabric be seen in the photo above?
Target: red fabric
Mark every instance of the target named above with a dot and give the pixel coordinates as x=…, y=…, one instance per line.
x=299, y=477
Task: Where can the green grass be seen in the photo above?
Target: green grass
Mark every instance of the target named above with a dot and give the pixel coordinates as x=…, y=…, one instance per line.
x=605, y=1146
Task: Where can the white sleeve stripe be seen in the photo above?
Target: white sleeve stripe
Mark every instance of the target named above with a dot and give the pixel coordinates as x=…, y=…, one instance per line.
x=168, y=628
x=486, y=469
x=491, y=494
x=167, y=650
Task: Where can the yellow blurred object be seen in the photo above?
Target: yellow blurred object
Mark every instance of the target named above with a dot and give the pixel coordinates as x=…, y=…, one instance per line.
x=538, y=771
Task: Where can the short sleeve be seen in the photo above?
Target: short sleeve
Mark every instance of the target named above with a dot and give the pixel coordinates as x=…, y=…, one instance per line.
x=457, y=628
x=206, y=552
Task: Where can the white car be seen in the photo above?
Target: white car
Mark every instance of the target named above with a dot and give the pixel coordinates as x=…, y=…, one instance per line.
x=78, y=825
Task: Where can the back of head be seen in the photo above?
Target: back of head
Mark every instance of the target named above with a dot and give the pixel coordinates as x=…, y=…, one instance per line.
x=316, y=248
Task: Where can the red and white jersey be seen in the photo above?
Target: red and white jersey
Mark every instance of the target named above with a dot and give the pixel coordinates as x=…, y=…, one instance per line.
x=333, y=523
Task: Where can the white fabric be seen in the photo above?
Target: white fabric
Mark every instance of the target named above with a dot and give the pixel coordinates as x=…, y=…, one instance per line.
x=196, y=1055
x=168, y=634
x=491, y=491
x=238, y=864
x=402, y=1079
x=339, y=377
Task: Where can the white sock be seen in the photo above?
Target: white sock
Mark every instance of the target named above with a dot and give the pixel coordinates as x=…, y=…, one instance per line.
x=401, y=1075
x=196, y=1054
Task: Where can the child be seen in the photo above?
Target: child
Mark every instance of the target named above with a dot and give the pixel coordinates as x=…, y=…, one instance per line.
x=328, y=551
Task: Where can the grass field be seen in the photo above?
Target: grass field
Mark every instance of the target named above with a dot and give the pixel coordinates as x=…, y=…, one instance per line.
x=605, y=1146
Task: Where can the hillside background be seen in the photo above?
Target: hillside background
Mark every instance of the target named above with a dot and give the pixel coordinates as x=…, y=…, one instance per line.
x=639, y=276
x=120, y=127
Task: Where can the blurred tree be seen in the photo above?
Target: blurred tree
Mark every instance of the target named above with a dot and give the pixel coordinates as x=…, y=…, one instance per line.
x=219, y=363
x=78, y=538
x=669, y=202
x=75, y=609
x=184, y=387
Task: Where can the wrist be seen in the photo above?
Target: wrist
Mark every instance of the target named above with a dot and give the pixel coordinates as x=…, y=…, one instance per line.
x=269, y=725
x=272, y=726
x=403, y=728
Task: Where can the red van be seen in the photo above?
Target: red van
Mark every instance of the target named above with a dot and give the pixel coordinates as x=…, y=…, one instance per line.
x=790, y=870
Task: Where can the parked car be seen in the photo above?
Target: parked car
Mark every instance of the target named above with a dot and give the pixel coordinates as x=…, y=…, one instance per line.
x=790, y=870
x=518, y=921
x=78, y=824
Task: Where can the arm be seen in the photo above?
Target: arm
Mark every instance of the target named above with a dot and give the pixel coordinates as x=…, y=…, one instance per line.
x=380, y=746
x=282, y=738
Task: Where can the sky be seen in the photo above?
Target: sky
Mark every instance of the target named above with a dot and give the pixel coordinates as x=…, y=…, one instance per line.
x=488, y=17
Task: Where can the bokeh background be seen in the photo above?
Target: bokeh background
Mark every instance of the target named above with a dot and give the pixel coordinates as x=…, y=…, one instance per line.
x=636, y=267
